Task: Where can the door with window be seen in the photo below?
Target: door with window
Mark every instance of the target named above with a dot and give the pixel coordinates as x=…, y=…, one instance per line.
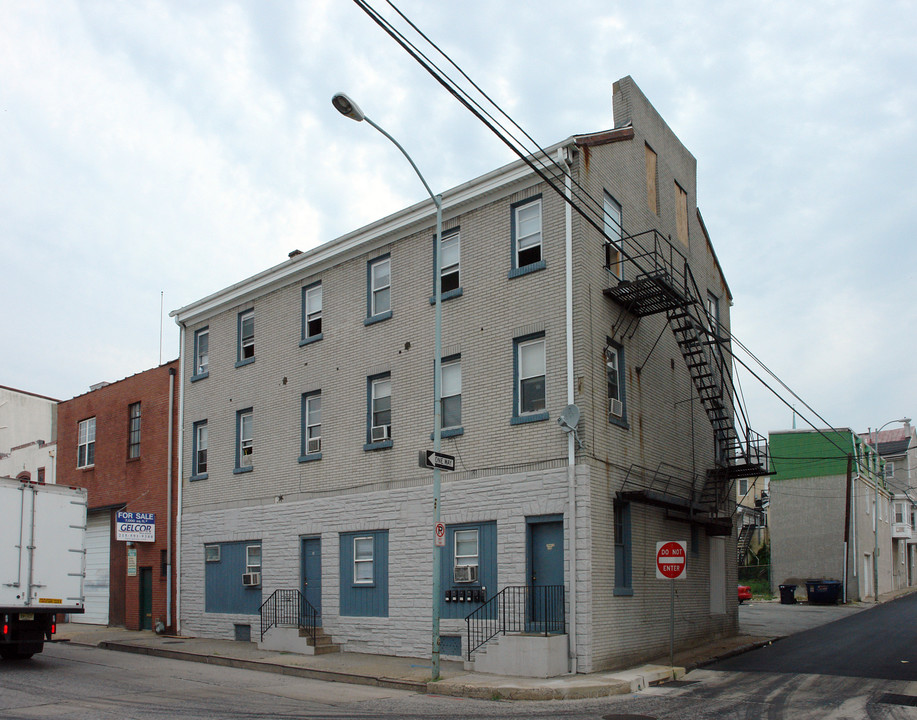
x=546, y=574
x=311, y=571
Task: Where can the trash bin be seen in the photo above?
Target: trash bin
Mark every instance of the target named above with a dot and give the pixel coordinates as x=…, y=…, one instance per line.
x=823, y=592
x=787, y=594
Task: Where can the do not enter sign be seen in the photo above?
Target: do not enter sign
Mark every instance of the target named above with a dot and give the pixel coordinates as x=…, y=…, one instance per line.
x=671, y=560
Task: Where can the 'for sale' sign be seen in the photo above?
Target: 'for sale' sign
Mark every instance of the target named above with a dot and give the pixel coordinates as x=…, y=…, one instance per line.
x=671, y=560
x=135, y=526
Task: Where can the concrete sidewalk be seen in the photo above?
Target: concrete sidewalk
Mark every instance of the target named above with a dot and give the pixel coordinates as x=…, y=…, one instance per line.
x=411, y=674
x=766, y=621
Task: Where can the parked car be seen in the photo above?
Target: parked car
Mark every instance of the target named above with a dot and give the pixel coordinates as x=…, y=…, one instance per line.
x=744, y=593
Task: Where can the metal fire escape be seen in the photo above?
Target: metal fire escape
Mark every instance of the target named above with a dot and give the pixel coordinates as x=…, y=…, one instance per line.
x=656, y=278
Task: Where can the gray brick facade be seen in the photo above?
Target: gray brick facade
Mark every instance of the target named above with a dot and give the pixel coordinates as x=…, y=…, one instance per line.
x=506, y=472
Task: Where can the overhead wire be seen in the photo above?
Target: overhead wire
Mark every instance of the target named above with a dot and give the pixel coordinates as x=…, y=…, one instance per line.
x=581, y=201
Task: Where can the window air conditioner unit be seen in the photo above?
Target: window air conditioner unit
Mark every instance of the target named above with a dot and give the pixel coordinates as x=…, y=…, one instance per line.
x=617, y=408
x=251, y=579
x=315, y=445
x=381, y=432
x=465, y=573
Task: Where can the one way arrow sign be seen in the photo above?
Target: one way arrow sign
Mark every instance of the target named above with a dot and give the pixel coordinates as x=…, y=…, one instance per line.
x=433, y=459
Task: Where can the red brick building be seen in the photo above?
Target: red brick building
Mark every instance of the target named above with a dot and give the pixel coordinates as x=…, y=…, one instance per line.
x=114, y=441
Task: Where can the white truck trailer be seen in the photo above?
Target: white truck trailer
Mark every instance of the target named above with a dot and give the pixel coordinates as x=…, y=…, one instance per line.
x=42, y=562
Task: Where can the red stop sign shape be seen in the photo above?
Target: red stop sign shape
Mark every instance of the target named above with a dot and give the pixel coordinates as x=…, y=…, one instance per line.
x=670, y=560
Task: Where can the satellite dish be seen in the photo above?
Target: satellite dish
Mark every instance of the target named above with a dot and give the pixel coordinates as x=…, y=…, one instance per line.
x=569, y=418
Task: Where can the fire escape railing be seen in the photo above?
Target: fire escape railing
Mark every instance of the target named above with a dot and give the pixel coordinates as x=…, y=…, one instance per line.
x=651, y=276
x=517, y=609
x=288, y=607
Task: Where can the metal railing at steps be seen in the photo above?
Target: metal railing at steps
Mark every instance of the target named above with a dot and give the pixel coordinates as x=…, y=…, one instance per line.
x=518, y=609
x=288, y=607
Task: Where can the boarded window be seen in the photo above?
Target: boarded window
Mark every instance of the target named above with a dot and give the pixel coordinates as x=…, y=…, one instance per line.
x=651, y=193
x=681, y=214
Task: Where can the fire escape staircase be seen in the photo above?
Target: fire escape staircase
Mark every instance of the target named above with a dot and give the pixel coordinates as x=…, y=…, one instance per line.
x=659, y=280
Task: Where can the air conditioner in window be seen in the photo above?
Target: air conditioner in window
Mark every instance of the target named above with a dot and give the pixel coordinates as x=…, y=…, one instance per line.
x=251, y=579
x=617, y=408
x=315, y=445
x=465, y=573
x=381, y=432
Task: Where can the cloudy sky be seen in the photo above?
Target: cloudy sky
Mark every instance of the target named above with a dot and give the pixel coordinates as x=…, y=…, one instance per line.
x=156, y=150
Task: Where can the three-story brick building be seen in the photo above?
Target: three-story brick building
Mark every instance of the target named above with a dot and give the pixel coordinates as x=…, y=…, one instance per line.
x=308, y=391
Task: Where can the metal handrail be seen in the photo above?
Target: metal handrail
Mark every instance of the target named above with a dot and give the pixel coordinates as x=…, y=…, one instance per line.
x=537, y=610
x=288, y=607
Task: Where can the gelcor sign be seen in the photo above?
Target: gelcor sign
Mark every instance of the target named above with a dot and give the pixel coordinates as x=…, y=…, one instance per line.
x=135, y=527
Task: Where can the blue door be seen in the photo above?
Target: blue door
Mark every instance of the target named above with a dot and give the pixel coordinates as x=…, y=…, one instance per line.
x=312, y=574
x=546, y=575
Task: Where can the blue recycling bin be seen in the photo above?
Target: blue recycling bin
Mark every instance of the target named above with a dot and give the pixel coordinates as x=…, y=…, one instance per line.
x=823, y=592
x=787, y=594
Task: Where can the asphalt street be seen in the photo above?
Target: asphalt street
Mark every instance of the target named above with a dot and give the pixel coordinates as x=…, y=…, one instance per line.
x=879, y=644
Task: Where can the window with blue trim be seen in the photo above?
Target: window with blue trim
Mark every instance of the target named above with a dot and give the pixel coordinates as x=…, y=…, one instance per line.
x=468, y=572
x=312, y=313
x=201, y=367
x=450, y=265
x=623, y=550
x=614, y=383
x=244, y=440
x=526, y=237
x=311, y=446
x=451, y=393
x=199, y=450
x=224, y=567
x=378, y=412
x=364, y=573
x=529, y=370
x=245, y=350
x=378, y=289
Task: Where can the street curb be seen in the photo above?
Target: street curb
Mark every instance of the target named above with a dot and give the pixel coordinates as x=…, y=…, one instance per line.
x=270, y=667
x=741, y=650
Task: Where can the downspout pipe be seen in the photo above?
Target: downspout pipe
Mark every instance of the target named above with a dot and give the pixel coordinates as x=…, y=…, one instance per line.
x=565, y=156
x=181, y=435
x=169, y=500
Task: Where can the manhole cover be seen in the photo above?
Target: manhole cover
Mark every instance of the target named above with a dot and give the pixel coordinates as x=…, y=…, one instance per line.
x=627, y=717
x=173, y=642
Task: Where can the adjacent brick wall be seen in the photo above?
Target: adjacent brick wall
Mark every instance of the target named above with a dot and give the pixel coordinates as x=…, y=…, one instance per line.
x=116, y=483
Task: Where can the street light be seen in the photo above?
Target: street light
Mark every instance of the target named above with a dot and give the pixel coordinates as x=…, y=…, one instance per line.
x=348, y=108
x=875, y=551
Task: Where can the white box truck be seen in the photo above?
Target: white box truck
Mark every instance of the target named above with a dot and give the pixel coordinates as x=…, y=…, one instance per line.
x=42, y=562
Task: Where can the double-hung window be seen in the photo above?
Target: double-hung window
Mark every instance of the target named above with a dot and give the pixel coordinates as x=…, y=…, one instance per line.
x=133, y=430
x=246, y=349
x=623, y=560
x=252, y=558
x=311, y=426
x=466, y=554
x=245, y=441
x=713, y=313
x=86, y=444
x=379, y=410
x=201, y=354
x=450, y=262
x=527, y=238
x=614, y=377
x=530, y=380
x=379, y=289
x=199, y=451
x=613, y=235
x=451, y=393
x=363, y=560
x=312, y=313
